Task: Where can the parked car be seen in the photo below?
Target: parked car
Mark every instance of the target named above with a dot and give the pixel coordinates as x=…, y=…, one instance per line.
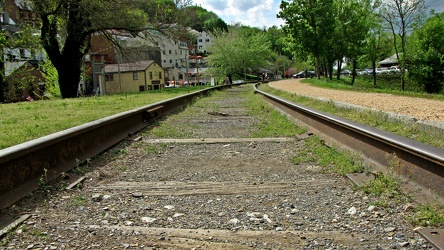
x=395, y=70
x=382, y=71
x=346, y=72
x=310, y=74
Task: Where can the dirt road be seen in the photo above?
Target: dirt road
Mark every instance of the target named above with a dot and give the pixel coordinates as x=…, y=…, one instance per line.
x=420, y=108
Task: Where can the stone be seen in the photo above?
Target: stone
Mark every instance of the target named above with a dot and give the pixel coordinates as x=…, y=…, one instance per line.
x=148, y=219
x=352, y=211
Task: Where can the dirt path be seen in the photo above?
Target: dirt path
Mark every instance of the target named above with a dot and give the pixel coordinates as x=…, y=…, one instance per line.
x=420, y=108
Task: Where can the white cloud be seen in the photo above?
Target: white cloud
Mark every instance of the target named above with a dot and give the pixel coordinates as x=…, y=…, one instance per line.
x=255, y=13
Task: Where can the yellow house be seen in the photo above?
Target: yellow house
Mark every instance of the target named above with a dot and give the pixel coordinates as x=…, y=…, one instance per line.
x=133, y=77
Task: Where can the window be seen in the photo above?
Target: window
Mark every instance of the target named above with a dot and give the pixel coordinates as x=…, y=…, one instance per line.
x=207, y=40
x=175, y=52
x=135, y=76
x=200, y=40
x=160, y=76
x=109, y=77
x=171, y=61
x=141, y=88
x=151, y=75
x=164, y=52
x=170, y=52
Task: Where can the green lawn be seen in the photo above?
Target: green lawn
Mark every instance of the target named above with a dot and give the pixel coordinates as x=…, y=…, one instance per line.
x=24, y=121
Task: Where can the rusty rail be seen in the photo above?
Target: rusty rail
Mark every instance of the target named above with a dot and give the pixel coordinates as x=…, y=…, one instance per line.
x=421, y=163
x=22, y=166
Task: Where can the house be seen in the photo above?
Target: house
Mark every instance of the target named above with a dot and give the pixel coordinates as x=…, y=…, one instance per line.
x=203, y=42
x=388, y=62
x=133, y=77
x=26, y=83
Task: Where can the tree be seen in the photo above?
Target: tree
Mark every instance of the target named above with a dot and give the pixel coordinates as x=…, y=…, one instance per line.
x=309, y=23
x=355, y=16
x=199, y=18
x=237, y=50
x=426, y=63
x=67, y=26
x=378, y=44
x=401, y=17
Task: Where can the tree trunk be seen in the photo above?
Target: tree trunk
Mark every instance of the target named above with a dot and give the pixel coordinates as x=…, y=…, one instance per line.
x=374, y=72
x=2, y=79
x=318, y=74
x=230, y=81
x=338, y=73
x=68, y=60
x=353, y=71
x=69, y=78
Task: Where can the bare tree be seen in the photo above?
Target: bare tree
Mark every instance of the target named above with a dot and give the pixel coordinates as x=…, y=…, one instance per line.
x=401, y=17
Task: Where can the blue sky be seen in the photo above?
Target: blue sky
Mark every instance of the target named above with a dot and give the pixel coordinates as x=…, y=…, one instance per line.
x=262, y=13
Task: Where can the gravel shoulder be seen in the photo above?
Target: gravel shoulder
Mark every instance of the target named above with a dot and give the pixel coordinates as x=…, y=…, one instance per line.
x=218, y=191
x=419, y=108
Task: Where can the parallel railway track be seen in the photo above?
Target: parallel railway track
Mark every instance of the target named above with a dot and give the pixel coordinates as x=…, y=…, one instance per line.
x=22, y=165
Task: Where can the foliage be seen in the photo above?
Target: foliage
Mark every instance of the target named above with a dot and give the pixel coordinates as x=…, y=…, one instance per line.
x=16, y=83
x=426, y=62
x=402, y=16
x=237, y=50
x=309, y=26
x=51, y=79
x=199, y=18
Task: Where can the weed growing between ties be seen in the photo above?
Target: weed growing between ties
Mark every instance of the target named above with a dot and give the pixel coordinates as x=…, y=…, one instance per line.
x=272, y=122
x=156, y=149
x=381, y=120
x=331, y=159
x=427, y=215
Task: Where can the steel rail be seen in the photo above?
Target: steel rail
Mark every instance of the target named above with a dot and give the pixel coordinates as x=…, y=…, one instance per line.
x=23, y=166
x=415, y=161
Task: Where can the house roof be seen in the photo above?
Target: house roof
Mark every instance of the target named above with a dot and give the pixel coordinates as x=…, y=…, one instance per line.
x=390, y=60
x=129, y=67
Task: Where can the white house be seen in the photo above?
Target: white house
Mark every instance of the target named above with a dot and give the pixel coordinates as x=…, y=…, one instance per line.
x=204, y=40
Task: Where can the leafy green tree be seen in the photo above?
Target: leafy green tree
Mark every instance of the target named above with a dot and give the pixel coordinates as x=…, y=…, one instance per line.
x=402, y=16
x=277, y=38
x=309, y=23
x=355, y=16
x=237, y=50
x=199, y=18
x=426, y=62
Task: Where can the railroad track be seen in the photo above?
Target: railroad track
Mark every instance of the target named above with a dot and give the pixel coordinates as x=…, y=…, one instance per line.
x=232, y=177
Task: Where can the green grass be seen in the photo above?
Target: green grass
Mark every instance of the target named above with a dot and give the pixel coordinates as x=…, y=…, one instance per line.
x=381, y=120
x=427, y=215
x=272, y=122
x=331, y=158
x=24, y=121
